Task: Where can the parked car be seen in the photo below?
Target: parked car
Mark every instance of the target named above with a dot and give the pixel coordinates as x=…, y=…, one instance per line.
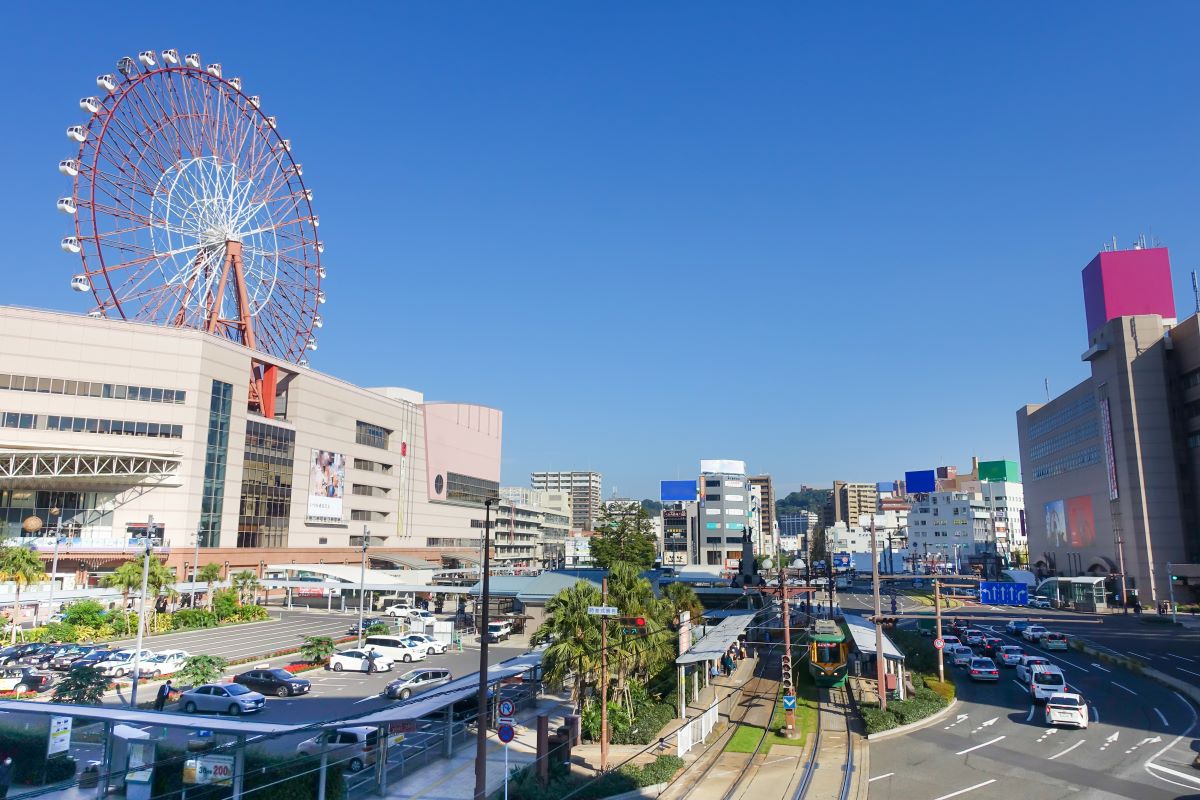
x=961, y=655
x=64, y=658
x=24, y=679
x=168, y=662
x=366, y=623
x=221, y=698
x=416, y=681
x=1055, y=641
x=278, y=682
x=1025, y=665
x=1010, y=654
x=358, y=661
x=498, y=631
x=396, y=648
x=92, y=657
x=1038, y=602
x=1067, y=708
x=120, y=663
x=1046, y=680
x=1016, y=626
x=398, y=610
x=431, y=645
x=1033, y=633
x=355, y=748
x=41, y=658
x=14, y=654
x=983, y=669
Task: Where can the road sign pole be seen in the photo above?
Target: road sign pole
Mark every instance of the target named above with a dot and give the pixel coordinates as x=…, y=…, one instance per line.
x=604, y=680
x=880, y=662
x=937, y=613
x=506, y=771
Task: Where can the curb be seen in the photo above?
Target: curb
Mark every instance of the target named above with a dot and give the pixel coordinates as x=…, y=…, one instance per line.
x=912, y=726
x=636, y=794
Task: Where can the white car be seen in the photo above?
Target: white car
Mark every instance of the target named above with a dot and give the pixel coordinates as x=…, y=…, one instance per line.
x=1038, y=602
x=1034, y=632
x=1026, y=665
x=961, y=655
x=358, y=661
x=398, y=610
x=396, y=648
x=430, y=645
x=354, y=748
x=949, y=641
x=1046, y=680
x=120, y=663
x=168, y=662
x=1055, y=641
x=1010, y=654
x=1067, y=708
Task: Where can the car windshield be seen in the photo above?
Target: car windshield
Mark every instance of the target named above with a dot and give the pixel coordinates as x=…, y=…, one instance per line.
x=982, y=663
x=1012, y=650
x=495, y=626
x=236, y=689
x=1062, y=701
x=408, y=676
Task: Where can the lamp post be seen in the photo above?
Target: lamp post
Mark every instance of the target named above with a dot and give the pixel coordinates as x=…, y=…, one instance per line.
x=137, y=653
x=362, y=584
x=196, y=562
x=481, y=718
x=53, y=568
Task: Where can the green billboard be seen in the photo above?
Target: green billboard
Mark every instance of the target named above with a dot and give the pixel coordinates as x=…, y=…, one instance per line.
x=999, y=471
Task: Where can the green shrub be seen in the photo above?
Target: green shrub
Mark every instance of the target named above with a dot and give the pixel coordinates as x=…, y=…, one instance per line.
x=944, y=689
x=225, y=603
x=192, y=618
x=661, y=770
x=60, y=768
x=58, y=632
x=85, y=614
x=878, y=720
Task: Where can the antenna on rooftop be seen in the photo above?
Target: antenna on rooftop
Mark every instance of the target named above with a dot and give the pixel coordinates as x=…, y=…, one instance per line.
x=1047, y=382
x=1196, y=291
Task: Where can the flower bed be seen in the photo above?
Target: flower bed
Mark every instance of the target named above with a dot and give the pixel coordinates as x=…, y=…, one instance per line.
x=302, y=666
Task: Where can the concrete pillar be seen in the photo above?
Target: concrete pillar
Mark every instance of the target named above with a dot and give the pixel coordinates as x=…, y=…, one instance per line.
x=695, y=687
x=239, y=767
x=106, y=765
x=543, y=748
x=682, y=682
x=448, y=737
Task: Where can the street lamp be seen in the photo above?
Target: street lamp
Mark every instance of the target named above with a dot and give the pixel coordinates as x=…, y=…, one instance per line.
x=362, y=584
x=481, y=718
x=196, y=562
x=137, y=653
x=58, y=539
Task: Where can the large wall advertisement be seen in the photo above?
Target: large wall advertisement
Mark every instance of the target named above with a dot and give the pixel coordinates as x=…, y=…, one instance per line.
x=670, y=491
x=920, y=481
x=326, y=484
x=1071, y=522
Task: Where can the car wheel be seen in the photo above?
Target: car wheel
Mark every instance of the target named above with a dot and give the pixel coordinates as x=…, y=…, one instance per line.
x=337, y=667
x=281, y=691
x=189, y=707
x=20, y=688
x=155, y=673
x=405, y=694
x=355, y=765
x=407, y=658
x=234, y=709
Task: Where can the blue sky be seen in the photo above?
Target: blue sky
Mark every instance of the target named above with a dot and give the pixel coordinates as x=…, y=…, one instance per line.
x=834, y=242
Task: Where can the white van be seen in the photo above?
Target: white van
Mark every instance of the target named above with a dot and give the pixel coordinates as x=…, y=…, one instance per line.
x=395, y=648
x=1046, y=680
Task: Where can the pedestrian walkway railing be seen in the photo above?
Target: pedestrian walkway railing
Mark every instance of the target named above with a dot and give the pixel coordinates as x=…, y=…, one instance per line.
x=697, y=730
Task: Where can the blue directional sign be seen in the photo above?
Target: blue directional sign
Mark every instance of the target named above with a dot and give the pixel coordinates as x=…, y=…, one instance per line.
x=789, y=702
x=1002, y=593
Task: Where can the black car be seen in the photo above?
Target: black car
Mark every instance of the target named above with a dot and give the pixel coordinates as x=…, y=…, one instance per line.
x=24, y=679
x=13, y=655
x=91, y=659
x=69, y=654
x=366, y=623
x=278, y=682
x=39, y=657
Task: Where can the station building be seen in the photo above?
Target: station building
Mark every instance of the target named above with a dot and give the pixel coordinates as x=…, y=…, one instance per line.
x=106, y=425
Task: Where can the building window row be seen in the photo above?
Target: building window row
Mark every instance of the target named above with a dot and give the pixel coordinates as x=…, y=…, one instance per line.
x=1193, y=440
x=1190, y=379
x=371, y=435
x=372, y=466
x=468, y=489
x=368, y=491
x=266, y=505
x=212, y=501
x=1081, y=407
x=11, y=419
x=434, y=541
x=360, y=515
x=117, y=427
x=1081, y=433
x=115, y=391
x=1085, y=458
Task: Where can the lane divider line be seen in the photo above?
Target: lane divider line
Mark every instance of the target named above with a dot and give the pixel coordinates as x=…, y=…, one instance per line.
x=1160, y=716
x=880, y=777
x=972, y=749
x=968, y=789
x=1126, y=688
x=1069, y=749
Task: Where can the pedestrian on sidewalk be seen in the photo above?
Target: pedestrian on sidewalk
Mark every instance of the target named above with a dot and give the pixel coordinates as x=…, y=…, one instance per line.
x=164, y=693
x=727, y=662
x=742, y=649
x=6, y=776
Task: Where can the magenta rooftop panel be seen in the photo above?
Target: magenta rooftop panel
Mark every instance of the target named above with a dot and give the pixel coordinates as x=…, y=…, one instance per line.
x=1123, y=283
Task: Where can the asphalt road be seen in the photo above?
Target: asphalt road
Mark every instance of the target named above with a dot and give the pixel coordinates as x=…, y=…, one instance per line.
x=995, y=743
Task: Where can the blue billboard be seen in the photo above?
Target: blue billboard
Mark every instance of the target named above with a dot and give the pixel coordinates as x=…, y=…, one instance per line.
x=671, y=491
x=885, y=486
x=1003, y=593
x=924, y=480
x=841, y=561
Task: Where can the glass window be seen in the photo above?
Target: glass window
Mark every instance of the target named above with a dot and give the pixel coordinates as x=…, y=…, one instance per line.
x=56, y=386
x=119, y=392
x=156, y=395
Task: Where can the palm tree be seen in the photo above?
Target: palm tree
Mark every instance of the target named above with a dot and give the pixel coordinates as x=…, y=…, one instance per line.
x=83, y=686
x=681, y=597
x=317, y=649
x=246, y=582
x=574, y=637
x=210, y=573
x=127, y=578
x=21, y=566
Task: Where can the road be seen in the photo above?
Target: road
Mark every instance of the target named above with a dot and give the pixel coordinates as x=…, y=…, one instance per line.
x=996, y=745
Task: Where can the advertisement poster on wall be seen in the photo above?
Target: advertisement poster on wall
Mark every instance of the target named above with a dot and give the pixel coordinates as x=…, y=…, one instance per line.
x=326, y=484
x=1056, y=523
x=1081, y=522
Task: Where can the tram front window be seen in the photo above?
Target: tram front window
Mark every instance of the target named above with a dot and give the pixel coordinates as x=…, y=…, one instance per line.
x=828, y=653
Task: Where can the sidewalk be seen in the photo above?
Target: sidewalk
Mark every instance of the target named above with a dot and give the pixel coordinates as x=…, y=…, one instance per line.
x=454, y=778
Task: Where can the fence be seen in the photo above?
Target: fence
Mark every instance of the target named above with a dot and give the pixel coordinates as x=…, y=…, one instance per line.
x=697, y=730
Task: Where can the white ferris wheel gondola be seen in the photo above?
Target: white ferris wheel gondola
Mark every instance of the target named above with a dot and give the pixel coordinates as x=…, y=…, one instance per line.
x=70, y=244
x=69, y=167
x=90, y=104
x=80, y=283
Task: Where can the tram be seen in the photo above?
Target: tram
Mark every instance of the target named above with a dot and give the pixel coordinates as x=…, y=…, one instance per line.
x=827, y=652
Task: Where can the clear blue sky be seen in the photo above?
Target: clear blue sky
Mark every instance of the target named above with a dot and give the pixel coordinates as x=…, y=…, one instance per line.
x=834, y=243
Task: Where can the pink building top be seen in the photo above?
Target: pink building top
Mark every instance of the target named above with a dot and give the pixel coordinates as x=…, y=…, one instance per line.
x=1124, y=283
x=462, y=439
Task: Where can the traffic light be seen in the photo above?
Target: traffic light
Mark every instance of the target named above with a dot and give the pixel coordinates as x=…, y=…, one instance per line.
x=633, y=626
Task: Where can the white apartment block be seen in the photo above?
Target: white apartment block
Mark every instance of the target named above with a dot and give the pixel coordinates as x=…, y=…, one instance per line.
x=947, y=527
x=585, y=490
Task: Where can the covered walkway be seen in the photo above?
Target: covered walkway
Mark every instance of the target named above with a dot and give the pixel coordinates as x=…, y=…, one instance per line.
x=862, y=636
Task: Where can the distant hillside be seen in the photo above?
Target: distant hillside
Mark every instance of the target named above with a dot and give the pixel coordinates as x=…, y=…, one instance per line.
x=808, y=499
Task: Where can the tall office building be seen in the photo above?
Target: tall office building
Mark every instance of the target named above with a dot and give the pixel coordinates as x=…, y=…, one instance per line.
x=765, y=530
x=679, y=530
x=723, y=513
x=849, y=500
x=585, y=489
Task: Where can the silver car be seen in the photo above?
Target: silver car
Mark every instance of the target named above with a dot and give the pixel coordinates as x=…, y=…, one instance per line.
x=221, y=698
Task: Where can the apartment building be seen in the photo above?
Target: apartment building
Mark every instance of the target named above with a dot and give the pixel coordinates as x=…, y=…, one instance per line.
x=585, y=490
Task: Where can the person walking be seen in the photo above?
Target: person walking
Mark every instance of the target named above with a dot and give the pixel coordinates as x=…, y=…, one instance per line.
x=164, y=694
x=6, y=776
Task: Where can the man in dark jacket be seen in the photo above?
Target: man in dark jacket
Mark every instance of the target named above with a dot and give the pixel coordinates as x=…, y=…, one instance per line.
x=164, y=694
x=6, y=775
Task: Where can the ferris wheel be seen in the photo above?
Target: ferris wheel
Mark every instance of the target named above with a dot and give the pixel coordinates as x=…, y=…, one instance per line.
x=190, y=210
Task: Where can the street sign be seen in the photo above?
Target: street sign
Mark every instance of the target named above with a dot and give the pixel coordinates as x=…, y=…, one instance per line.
x=604, y=611
x=1003, y=593
x=506, y=710
x=208, y=769
x=789, y=702
x=505, y=733
x=939, y=643
x=60, y=735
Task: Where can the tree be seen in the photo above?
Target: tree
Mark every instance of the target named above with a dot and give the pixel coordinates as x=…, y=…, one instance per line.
x=127, y=577
x=377, y=629
x=84, y=614
x=246, y=583
x=20, y=566
x=201, y=669
x=317, y=649
x=624, y=536
x=807, y=499
x=652, y=506
x=681, y=597
x=209, y=574
x=83, y=686
x=574, y=637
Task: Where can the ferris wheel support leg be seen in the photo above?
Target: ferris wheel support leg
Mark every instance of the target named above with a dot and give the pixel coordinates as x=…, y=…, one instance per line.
x=214, y=300
x=233, y=254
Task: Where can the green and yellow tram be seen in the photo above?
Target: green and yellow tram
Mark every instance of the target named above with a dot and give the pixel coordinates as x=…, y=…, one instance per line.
x=827, y=652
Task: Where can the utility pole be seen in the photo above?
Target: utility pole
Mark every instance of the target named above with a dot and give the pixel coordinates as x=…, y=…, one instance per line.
x=1121, y=561
x=362, y=585
x=880, y=665
x=937, y=615
x=604, y=679
x=196, y=561
x=137, y=653
x=481, y=720
x=53, y=570
x=789, y=715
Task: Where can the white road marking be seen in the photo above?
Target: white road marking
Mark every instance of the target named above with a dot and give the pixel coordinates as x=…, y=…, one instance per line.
x=1115, y=735
x=1031, y=709
x=1014, y=680
x=968, y=789
x=880, y=777
x=1139, y=655
x=1156, y=711
x=1172, y=743
x=1049, y=732
x=1186, y=777
x=971, y=749
x=1126, y=688
x=1182, y=658
x=1064, y=752
x=1102, y=669
x=1188, y=671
